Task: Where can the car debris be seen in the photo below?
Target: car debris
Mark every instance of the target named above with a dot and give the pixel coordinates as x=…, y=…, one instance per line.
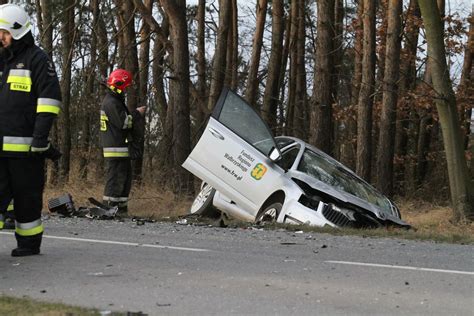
x=62, y=205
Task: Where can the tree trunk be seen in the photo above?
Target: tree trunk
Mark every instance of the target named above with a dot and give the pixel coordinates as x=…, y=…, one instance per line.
x=293, y=54
x=45, y=26
x=219, y=65
x=201, y=62
x=323, y=92
x=179, y=89
x=408, y=76
x=233, y=49
x=381, y=48
x=68, y=34
x=366, y=94
x=300, y=127
x=272, y=87
x=90, y=94
x=460, y=187
x=348, y=147
x=284, y=108
x=466, y=86
x=252, y=82
x=128, y=49
x=158, y=72
x=389, y=100
x=142, y=86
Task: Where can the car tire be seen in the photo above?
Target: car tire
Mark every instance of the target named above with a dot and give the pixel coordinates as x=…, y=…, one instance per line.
x=269, y=214
x=202, y=204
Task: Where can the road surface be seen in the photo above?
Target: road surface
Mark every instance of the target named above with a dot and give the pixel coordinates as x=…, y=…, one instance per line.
x=166, y=268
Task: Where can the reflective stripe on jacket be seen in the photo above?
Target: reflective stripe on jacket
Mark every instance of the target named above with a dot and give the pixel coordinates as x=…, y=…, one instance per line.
x=30, y=100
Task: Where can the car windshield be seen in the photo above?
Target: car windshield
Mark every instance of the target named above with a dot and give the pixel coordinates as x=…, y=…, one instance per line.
x=237, y=115
x=336, y=176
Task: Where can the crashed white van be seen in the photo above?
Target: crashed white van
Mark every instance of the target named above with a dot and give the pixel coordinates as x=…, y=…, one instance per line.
x=250, y=175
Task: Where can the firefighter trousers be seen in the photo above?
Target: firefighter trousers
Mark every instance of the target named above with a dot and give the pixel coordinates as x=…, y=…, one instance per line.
x=118, y=183
x=23, y=180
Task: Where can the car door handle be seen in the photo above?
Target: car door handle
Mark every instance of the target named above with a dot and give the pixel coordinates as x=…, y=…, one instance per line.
x=216, y=133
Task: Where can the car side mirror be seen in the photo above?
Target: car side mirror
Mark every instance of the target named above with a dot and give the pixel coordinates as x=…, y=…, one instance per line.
x=274, y=154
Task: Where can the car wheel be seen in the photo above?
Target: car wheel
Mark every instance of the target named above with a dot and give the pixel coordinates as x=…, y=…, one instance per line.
x=269, y=213
x=202, y=204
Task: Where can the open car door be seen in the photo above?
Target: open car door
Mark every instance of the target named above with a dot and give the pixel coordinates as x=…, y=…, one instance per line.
x=233, y=154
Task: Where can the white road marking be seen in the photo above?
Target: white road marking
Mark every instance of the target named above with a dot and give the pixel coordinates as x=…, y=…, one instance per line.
x=111, y=242
x=401, y=267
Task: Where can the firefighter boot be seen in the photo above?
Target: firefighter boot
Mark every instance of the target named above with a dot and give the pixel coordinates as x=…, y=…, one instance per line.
x=27, y=245
x=22, y=252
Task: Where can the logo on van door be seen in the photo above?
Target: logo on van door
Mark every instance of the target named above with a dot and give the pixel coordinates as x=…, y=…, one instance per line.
x=258, y=172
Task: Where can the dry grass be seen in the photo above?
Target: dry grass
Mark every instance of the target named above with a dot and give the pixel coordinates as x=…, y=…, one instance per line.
x=26, y=306
x=429, y=218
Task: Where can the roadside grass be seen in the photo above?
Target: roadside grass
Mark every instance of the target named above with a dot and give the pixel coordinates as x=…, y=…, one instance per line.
x=429, y=221
x=27, y=306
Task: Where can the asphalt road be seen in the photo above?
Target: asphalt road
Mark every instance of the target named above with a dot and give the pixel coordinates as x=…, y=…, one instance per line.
x=171, y=269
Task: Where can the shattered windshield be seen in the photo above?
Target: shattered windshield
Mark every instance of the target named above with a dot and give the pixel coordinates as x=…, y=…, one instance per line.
x=336, y=176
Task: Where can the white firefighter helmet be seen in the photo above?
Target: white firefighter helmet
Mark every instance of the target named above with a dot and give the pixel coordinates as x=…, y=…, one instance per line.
x=14, y=20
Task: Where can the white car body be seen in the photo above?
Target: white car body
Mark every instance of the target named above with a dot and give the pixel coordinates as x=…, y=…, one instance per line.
x=233, y=156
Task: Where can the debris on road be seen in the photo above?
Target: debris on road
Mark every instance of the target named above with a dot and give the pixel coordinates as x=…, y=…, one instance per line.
x=62, y=205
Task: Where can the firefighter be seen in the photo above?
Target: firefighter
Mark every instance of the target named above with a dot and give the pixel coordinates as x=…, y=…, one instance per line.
x=117, y=128
x=30, y=100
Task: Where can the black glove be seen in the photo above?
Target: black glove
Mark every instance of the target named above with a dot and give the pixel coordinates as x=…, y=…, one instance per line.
x=52, y=153
x=48, y=152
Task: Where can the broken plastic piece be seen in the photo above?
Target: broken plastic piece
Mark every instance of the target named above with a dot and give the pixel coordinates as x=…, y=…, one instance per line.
x=101, y=213
x=62, y=205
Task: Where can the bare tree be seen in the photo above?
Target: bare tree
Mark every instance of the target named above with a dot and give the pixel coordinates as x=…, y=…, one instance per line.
x=366, y=94
x=300, y=118
x=68, y=34
x=386, y=142
x=349, y=133
x=272, y=87
x=462, y=196
x=179, y=92
x=89, y=97
x=252, y=83
x=201, y=61
x=323, y=92
x=466, y=86
x=293, y=54
x=219, y=64
x=233, y=49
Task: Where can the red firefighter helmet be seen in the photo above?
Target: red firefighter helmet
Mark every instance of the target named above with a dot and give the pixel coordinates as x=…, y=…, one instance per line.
x=119, y=79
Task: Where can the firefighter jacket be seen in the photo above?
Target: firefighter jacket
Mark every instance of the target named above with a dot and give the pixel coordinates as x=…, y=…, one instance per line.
x=116, y=124
x=30, y=98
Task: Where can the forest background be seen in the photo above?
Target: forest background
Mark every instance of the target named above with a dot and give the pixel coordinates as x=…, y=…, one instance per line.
x=356, y=79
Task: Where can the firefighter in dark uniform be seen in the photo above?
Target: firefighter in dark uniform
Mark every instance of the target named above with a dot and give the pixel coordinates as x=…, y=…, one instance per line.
x=30, y=100
x=116, y=126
